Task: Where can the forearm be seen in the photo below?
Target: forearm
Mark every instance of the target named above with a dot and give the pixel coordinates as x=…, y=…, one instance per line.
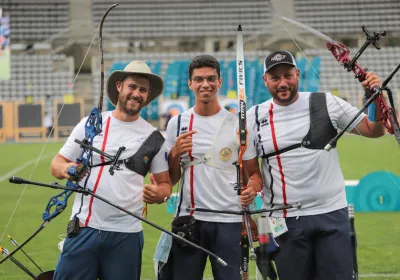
x=256, y=181
x=369, y=129
x=174, y=166
x=253, y=170
x=58, y=165
x=165, y=191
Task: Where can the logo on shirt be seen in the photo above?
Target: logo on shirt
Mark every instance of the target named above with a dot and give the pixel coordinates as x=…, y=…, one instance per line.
x=264, y=122
x=184, y=129
x=141, y=140
x=146, y=159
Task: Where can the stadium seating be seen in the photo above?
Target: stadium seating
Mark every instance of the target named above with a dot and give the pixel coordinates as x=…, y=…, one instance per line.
x=336, y=79
x=39, y=76
x=35, y=20
x=344, y=16
x=174, y=68
x=34, y=75
x=180, y=18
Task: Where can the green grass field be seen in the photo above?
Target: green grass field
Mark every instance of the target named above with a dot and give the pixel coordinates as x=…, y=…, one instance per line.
x=5, y=68
x=378, y=233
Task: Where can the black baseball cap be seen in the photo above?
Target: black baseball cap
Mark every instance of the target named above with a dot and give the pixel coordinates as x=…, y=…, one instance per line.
x=278, y=57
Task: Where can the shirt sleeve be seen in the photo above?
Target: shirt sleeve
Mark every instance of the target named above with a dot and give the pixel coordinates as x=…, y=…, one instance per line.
x=342, y=112
x=171, y=132
x=251, y=151
x=72, y=150
x=160, y=161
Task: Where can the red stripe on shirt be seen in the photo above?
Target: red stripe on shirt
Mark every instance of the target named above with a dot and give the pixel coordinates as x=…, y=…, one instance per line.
x=100, y=172
x=191, y=174
x=278, y=158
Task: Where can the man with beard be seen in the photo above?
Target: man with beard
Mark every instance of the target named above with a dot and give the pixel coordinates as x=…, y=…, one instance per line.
x=289, y=133
x=103, y=242
x=203, y=148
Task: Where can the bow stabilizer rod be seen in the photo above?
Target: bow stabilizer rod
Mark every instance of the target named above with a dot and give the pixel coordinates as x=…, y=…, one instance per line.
x=248, y=212
x=54, y=185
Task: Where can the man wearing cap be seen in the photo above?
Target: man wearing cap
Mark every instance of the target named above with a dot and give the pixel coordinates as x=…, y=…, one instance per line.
x=104, y=242
x=203, y=147
x=289, y=133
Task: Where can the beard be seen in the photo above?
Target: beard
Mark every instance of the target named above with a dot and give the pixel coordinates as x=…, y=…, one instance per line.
x=287, y=100
x=130, y=111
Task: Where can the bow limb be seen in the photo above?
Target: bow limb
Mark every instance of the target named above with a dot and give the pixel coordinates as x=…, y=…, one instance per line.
x=58, y=202
x=246, y=240
x=312, y=30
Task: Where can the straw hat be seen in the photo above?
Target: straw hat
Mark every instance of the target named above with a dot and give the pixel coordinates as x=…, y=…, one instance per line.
x=135, y=67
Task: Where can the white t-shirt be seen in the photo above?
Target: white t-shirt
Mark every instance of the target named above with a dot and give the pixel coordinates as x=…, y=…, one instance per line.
x=205, y=186
x=125, y=187
x=309, y=176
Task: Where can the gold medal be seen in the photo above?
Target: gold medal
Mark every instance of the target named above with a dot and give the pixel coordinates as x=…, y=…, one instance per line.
x=225, y=154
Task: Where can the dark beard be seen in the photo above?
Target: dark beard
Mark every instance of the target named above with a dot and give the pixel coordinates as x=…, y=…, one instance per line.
x=130, y=112
x=286, y=101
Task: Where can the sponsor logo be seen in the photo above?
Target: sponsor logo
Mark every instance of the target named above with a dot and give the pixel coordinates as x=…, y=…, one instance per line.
x=242, y=110
x=264, y=122
x=278, y=57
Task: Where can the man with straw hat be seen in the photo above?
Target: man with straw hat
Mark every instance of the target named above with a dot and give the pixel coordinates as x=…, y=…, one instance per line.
x=104, y=242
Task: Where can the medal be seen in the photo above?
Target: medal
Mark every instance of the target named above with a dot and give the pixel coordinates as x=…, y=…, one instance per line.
x=225, y=154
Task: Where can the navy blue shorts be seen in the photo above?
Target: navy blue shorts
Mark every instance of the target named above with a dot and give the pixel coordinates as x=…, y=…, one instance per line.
x=316, y=247
x=94, y=254
x=223, y=239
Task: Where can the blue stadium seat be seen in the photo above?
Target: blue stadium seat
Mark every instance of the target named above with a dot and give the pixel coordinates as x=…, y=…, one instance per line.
x=261, y=93
x=172, y=79
x=301, y=65
x=184, y=90
x=313, y=74
x=229, y=79
x=251, y=76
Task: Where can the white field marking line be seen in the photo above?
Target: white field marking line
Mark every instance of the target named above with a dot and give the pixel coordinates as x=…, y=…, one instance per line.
x=21, y=167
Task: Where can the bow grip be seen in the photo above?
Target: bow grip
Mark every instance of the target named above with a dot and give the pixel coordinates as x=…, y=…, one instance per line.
x=76, y=171
x=72, y=171
x=372, y=106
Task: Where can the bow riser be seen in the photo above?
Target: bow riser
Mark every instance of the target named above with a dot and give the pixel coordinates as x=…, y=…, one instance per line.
x=342, y=55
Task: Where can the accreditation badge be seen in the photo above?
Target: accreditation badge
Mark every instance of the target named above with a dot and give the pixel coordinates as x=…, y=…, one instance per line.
x=225, y=154
x=277, y=225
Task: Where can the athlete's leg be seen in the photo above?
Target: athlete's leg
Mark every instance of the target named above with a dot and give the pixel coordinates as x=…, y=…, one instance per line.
x=121, y=255
x=224, y=240
x=333, y=246
x=188, y=262
x=295, y=258
x=80, y=257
